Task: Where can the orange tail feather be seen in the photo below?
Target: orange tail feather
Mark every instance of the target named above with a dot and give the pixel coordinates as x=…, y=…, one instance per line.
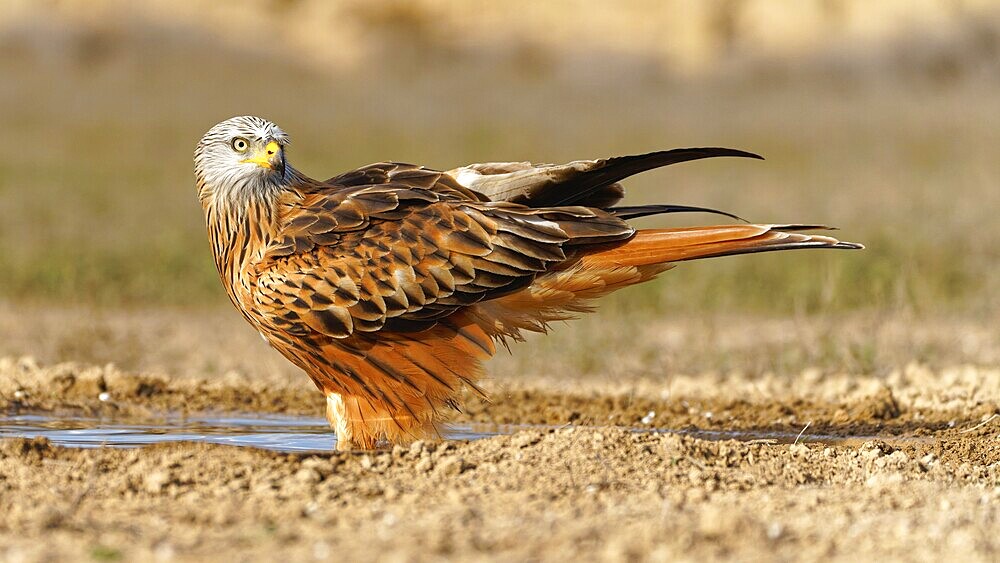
x=571, y=288
x=659, y=246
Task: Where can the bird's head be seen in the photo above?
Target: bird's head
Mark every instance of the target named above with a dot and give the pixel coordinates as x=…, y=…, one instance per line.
x=242, y=154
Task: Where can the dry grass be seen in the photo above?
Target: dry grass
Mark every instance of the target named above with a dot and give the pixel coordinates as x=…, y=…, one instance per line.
x=99, y=205
x=613, y=346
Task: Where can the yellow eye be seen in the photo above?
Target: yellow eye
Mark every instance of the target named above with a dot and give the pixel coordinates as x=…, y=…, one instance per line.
x=240, y=144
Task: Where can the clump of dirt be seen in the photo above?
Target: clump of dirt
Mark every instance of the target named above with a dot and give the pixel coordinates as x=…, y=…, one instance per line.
x=26, y=385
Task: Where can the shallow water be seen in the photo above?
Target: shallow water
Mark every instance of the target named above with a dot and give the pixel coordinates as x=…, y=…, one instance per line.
x=269, y=431
x=305, y=434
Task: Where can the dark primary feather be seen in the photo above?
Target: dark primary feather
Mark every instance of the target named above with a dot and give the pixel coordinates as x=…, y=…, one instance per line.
x=636, y=211
x=611, y=170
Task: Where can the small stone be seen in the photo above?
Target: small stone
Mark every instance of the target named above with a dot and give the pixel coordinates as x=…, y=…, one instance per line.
x=318, y=464
x=263, y=488
x=648, y=419
x=874, y=449
x=899, y=457
x=424, y=465
x=454, y=466
x=104, y=397
x=928, y=461
x=307, y=475
x=417, y=448
x=155, y=481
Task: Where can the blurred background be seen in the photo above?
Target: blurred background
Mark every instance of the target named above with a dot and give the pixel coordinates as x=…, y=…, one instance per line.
x=881, y=118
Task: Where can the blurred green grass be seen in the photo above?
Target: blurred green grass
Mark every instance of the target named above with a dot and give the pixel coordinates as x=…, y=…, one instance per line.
x=98, y=202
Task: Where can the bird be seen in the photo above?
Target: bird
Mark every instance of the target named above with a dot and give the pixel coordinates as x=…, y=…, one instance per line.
x=389, y=285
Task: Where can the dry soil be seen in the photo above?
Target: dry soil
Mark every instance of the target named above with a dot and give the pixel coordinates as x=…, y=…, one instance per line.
x=916, y=475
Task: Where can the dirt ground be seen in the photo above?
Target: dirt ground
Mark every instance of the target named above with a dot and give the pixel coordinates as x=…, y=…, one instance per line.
x=915, y=475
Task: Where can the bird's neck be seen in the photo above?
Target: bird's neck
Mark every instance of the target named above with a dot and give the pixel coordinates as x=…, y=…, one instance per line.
x=241, y=224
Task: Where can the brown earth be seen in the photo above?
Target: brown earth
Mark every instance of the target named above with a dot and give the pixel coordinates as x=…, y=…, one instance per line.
x=914, y=474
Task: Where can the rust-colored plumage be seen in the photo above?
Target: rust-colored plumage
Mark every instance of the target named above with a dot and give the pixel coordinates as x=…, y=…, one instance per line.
x=390, y=284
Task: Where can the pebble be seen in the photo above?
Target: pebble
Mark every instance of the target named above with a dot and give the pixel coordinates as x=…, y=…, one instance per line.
x=155, y=481
x=454, y=466
x=307, y=475
x=798, y=449
x=424, y=465
x=319, y=465
x=416, y=448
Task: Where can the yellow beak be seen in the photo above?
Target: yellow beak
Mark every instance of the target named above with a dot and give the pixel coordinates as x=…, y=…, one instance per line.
x=270, y=157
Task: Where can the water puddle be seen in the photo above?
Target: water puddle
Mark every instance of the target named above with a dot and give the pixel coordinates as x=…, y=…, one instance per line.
x=307, y=434
x=273, y=432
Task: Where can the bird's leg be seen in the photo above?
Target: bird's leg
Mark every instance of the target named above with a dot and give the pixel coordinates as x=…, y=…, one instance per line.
x=336, y=413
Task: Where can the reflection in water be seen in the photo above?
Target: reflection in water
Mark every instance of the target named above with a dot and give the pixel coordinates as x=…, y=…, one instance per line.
x=306, y=434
